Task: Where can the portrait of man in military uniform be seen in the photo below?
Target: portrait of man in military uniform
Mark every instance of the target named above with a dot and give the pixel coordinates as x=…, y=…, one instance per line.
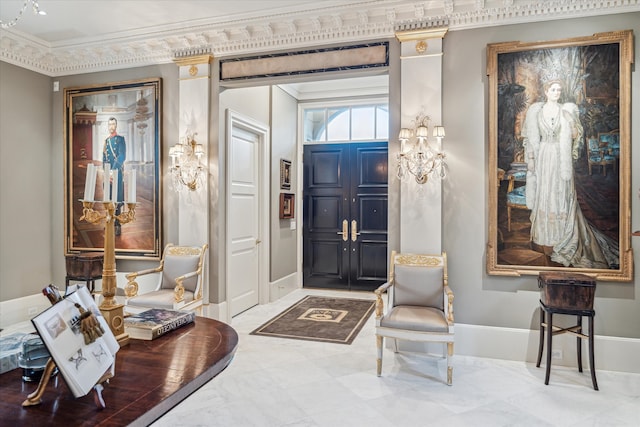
x=114, y=154
x=114, y=129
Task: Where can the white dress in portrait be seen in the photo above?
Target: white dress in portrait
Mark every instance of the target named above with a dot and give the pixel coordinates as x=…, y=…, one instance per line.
x=556, y=217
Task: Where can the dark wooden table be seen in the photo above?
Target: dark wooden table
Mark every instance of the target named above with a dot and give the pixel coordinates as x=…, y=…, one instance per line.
x=547, y=326
x=151, y=378
x=85, y=267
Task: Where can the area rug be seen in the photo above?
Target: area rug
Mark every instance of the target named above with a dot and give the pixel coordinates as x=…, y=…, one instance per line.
x=325, y=319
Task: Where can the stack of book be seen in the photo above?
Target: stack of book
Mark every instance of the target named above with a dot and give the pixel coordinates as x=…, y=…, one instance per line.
x=155, y=322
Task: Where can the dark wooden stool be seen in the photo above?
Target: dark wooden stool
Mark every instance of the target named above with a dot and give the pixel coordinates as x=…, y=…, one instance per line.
x=547, y=325
x=85, y=267
x=570, y=294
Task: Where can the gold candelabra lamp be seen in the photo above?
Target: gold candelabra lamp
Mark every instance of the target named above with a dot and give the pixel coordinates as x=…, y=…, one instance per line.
x=112, y=311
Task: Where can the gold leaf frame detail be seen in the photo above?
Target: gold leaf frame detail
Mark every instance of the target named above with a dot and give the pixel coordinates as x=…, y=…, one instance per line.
x=497, y=265
x=419, y=260
x=184, y=250
x=137, y=107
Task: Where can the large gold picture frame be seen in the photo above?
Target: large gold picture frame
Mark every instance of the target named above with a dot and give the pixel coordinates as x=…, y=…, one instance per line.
x=116, y=124
x=560, y=169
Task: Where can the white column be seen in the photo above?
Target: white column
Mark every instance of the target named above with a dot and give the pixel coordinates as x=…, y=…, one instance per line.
x=421, y=90
x=195, y=78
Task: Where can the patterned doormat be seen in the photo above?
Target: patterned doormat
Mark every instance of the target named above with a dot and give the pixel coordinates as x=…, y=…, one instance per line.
x=325, y=319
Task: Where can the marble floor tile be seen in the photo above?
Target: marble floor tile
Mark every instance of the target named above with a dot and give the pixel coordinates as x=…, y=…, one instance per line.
x=275, y=382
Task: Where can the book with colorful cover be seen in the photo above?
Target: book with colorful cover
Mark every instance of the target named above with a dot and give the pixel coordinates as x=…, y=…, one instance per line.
x=155, y=322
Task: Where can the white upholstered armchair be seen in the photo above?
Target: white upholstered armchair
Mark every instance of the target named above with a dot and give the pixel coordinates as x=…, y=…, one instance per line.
x=420, y=304
x=179, y=285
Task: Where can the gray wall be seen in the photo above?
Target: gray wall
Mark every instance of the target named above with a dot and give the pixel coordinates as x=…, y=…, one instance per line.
x=27, y=155
x=504, y=301
x=32, y=180
x=31, y=120
x=284, y=114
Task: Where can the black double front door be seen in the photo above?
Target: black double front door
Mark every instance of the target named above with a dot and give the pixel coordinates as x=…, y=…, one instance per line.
x=345, y=216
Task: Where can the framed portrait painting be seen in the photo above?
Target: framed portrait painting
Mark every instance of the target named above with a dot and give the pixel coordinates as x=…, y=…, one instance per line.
x=559, y=156
x=112, y=152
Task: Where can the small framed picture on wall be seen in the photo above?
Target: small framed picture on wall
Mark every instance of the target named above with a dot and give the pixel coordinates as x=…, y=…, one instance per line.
x=285, y=174
x=287, y=205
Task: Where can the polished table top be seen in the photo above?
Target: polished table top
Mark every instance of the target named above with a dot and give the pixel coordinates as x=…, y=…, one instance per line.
x=151, y=378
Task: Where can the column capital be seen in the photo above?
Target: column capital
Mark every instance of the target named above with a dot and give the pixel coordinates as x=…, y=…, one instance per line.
x=193, y=60
x=196, y=66
x=421, y=34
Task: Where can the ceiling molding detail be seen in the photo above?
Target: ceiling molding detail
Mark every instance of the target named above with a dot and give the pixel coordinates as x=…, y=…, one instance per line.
x=361, y=22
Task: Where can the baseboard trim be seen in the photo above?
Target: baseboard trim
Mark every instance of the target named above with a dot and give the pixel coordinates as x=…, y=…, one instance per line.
x=22, y=309
x=218, y=311
x=611, y=353
x=283, y=286
x=277, y=290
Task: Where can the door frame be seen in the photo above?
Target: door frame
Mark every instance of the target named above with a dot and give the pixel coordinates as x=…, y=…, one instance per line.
x=352, y=194
x=236, y=119
x=351, y=100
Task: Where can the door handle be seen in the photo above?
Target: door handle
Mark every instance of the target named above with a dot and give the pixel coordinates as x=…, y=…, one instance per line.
x=258, y=241
x=354, y=230
x=345, y=230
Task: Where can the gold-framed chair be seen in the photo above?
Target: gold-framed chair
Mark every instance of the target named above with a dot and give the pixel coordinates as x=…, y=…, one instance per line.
x=420, y=304
x=179, y=285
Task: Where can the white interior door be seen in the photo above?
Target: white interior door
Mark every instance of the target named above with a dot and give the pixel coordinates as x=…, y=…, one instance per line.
x=246, y=272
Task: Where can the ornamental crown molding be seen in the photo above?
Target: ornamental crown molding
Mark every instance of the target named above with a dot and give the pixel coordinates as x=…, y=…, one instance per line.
x=368, y=20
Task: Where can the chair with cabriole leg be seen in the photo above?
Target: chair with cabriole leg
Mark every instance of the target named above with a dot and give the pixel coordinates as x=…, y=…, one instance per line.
x=420, y=304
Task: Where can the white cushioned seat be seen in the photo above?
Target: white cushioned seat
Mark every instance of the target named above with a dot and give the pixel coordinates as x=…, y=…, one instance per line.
x=180, y=283
x=162, y=298
x=419, y=304
x=412, y=318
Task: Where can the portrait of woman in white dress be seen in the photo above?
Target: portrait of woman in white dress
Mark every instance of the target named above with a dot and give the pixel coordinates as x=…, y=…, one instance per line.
x=552, y=138
x=559, y=157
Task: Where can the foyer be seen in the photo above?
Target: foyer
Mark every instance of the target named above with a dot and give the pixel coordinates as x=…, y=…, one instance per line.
x=275, y=382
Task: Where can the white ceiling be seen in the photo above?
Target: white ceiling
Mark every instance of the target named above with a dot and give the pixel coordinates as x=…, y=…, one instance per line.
x=76, y=22
x=82, y=36
x=72, y=22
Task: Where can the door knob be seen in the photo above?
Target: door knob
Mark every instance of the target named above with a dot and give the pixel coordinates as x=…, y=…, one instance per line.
x=354, y=230
x=345, y=230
